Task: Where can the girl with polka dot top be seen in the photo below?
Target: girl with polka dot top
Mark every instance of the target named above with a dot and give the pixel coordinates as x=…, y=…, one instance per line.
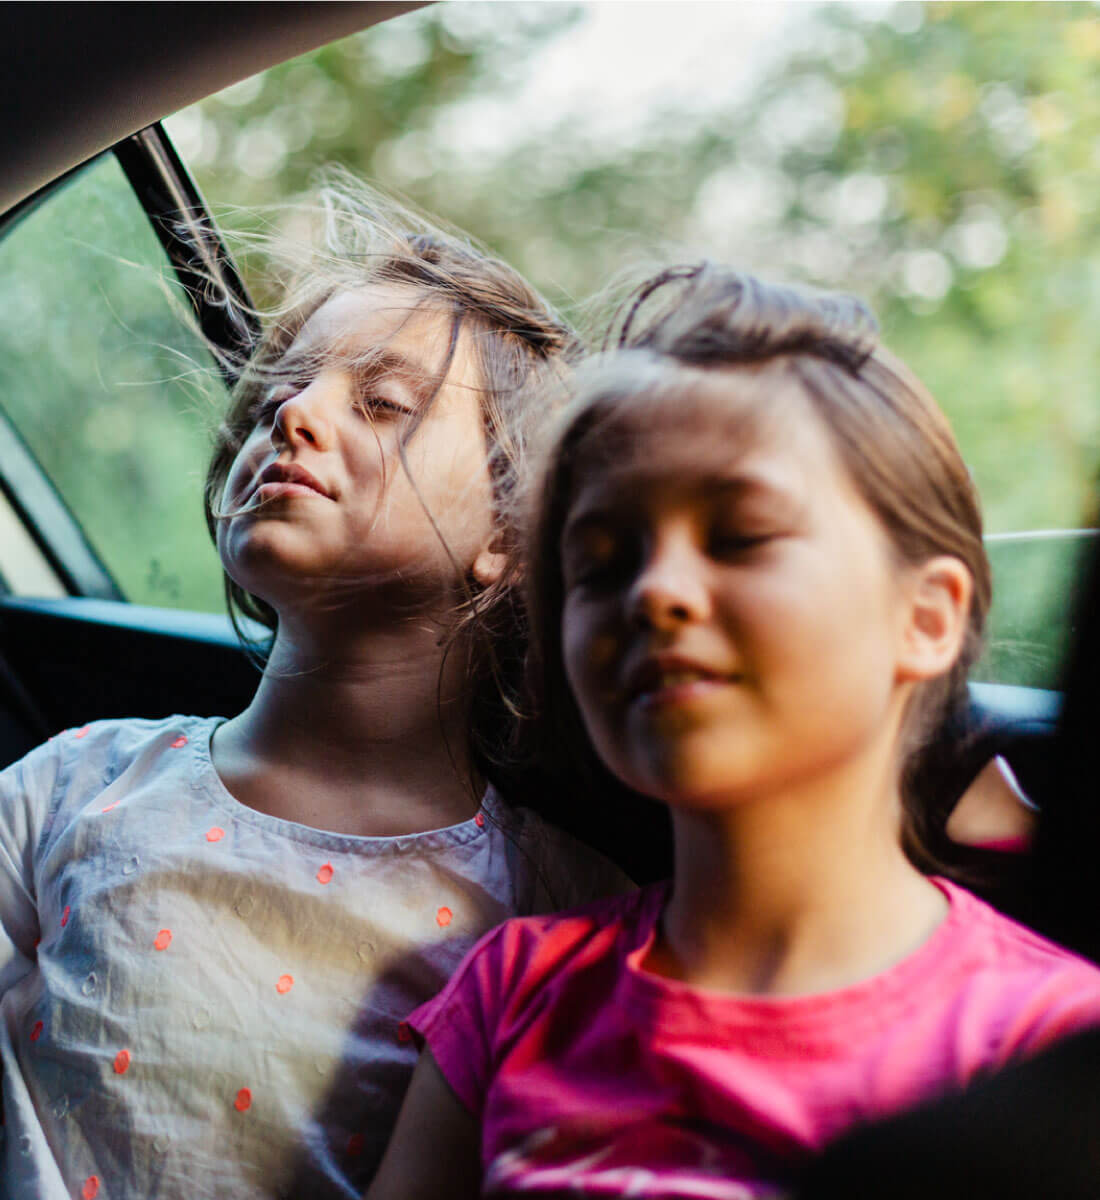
x=212, y=930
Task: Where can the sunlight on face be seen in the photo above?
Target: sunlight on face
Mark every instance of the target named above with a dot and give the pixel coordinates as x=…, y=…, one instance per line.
x=364, y=468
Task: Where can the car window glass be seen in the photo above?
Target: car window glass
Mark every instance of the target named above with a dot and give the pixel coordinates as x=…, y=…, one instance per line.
x=112, y=391
x=1035, y=579
x=879, y=148
x=938, y=159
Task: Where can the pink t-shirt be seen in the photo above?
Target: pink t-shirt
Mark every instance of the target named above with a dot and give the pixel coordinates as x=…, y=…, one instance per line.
x=588, y=1073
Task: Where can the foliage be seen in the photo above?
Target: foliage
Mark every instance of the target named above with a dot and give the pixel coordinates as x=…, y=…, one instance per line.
x=939, y=159
x=108, y=385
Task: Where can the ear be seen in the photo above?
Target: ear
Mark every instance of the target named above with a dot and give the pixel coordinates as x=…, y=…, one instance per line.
x=491, y=561
x=938, y=606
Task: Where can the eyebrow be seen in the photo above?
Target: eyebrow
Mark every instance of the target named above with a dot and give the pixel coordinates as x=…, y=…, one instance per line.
x=393, y=362
x=383, y=361
x=748, y=486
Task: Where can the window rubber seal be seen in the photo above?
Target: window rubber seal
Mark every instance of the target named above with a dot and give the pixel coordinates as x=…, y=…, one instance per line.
x=202, y=263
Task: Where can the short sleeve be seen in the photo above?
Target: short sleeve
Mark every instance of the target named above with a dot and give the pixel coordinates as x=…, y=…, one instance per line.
x=459, y=1025
x=27, y=790
x=1067, y=1002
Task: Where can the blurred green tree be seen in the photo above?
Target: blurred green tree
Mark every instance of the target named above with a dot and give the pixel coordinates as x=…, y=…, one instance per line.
x=939, y=159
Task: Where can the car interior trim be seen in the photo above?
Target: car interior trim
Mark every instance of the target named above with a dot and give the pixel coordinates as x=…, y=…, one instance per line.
x=118, y=75
x=182, y=222
x=46, y=517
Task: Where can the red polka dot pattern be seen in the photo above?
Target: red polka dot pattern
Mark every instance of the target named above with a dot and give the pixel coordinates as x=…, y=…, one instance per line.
x=91, y=1187
x=242, y=1102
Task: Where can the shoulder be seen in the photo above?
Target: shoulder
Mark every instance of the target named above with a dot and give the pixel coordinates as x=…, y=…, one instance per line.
x=524, y=964
x=1042, y=990
x=624, y=913
x=41, y=792
x=128, y=736
x=80, y=761
x=564, y=871
x=525, y=953
x=519, y=973
x=1005, y=943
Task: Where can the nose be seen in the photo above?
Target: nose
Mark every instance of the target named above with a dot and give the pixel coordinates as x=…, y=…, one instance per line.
x=301, y=419
x=671, y=589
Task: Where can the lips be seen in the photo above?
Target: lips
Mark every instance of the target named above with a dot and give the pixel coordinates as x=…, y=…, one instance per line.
x=670, y=674
x=292, y=473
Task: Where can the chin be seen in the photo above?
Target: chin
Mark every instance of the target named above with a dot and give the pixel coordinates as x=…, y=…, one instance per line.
x=692, y=773
x=682, y=783
x=695, y=795
x=270, y=569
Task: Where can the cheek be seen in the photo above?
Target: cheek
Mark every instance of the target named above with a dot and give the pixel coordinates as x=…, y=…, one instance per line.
x=830, y=637
x=242, y=468
x=465, y=476
x=449, y=464
x=228, y=500
x=232, y=496
x=573, y=637
x=589, y=651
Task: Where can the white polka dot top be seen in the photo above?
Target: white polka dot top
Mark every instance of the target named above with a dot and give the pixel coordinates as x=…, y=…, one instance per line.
x=197, y=999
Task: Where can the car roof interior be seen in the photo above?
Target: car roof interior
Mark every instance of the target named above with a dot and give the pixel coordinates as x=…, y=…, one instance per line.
x=80, y=78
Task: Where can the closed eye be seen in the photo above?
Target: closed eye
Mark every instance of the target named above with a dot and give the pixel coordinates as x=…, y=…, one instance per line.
x=370, y=404
x=737, y=545
x=601, y=563
x=591, y=575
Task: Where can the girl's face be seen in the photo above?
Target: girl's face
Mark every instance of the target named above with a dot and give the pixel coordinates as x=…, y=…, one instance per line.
x=321, y=506
x=732, y=618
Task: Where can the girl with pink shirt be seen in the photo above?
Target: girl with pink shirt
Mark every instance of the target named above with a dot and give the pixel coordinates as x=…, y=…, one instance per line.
x=757, y=581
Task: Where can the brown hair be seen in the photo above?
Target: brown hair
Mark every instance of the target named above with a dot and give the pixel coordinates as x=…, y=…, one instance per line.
x=888, y=431
x=521, y=347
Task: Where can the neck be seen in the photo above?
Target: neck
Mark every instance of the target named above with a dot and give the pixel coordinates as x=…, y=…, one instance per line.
x=357, y=729
x=803, y=890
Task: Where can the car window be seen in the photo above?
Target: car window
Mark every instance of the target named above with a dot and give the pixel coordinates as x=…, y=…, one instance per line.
x=1036, y=578
x=111, y=390
x=900, y=151
x=887, y=149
